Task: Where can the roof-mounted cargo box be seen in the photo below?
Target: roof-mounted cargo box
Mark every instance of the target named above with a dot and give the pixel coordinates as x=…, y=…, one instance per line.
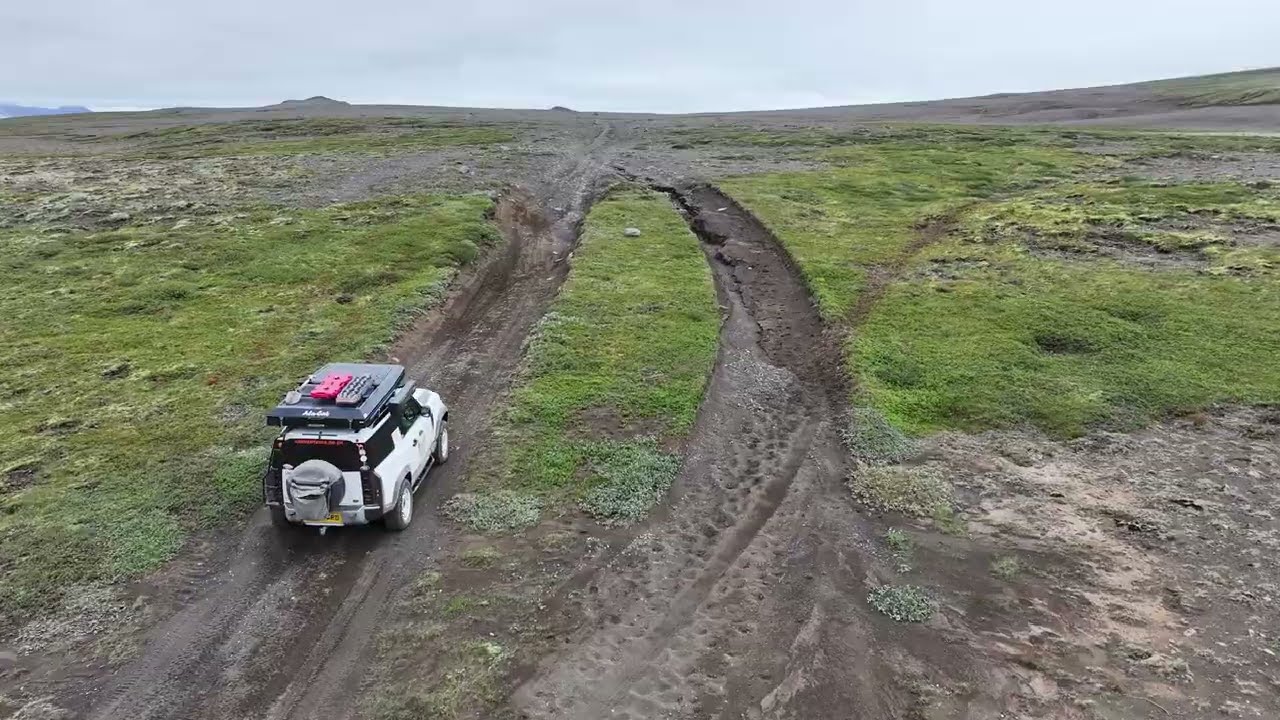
x=340, y=395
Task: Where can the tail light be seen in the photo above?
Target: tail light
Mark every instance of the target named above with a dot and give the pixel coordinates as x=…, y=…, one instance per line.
x=371, y=487
x=272, y=491
x=370, y=483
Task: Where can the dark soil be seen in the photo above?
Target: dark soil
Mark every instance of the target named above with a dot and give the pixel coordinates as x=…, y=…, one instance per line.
x=696, y=617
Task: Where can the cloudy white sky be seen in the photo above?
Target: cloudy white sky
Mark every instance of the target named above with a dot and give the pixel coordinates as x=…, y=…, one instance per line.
x=655, y=55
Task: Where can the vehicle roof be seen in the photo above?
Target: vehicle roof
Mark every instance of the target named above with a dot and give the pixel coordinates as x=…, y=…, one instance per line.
x=307, y=411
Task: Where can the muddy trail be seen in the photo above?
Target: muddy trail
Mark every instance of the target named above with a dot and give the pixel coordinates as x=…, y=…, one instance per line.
x=741, y=598
x=283, y=628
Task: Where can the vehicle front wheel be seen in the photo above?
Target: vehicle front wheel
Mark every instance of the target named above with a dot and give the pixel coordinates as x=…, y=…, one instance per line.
x=402, y=514
x=442, y=446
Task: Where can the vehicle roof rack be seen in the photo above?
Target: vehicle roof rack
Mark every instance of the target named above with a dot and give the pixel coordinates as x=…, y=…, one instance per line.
x=340, y=395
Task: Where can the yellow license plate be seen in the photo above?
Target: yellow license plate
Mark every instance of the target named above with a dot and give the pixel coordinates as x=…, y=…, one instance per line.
x=330, y=519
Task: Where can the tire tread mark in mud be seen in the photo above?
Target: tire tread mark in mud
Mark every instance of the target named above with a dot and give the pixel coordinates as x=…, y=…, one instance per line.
x=769, y=397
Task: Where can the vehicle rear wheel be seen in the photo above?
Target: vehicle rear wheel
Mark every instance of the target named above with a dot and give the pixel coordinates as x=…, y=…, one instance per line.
x=279, y=519
x=402, y=514
x=442, y=447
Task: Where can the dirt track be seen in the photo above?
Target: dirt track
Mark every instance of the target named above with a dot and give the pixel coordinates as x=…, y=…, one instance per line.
x=260, y=641
x=754, y=553
x=688, y=619
x=744, y=596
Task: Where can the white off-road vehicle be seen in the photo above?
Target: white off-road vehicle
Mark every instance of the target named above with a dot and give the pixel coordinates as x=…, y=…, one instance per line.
x=356, y=442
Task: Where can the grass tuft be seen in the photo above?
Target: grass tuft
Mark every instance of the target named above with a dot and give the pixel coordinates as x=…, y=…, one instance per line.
x=471, y=678
x=494, y=511
x=870, y=437
x=903, y=603
x=633, y=476
x=481, y=557
x=917, y=491
x=902, y=546
x=1006, y=568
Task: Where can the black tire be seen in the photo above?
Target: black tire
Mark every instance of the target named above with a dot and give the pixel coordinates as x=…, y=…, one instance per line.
x=402, y=514
x=441, y=454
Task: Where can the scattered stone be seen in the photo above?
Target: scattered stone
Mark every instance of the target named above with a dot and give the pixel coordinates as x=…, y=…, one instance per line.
x=119, y=217
x=20, y=477
x=116, y=370
x=344, y=298
x=631, y=232
x=282, y=220
x=58, y=423
x=1185, y=502
x=184, y=222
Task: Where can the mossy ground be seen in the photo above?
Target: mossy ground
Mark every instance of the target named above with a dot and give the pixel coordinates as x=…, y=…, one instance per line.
x=616, y=368
x=1021, y=314
x=140, y=361
x=309, y=136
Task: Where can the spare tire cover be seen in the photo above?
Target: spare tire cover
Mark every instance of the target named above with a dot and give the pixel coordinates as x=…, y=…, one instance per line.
x=315, y=487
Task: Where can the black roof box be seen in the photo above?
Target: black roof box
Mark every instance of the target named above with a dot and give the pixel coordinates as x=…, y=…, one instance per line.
x=362, y=410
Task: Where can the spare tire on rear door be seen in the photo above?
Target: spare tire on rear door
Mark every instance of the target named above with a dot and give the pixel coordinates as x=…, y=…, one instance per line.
x=316, y=487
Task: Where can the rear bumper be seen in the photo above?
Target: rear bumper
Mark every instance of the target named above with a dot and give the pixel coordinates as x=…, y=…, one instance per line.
x=350, y=515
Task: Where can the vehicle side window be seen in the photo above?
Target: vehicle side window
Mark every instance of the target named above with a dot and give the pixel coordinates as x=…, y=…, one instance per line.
x=379, y=445
x=409, y=412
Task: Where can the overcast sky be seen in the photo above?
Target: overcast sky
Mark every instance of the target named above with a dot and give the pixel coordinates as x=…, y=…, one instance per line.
x=654, y=55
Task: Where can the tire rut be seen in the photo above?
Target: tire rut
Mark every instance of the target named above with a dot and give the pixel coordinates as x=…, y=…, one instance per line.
x=284, y=631
x=766, y=442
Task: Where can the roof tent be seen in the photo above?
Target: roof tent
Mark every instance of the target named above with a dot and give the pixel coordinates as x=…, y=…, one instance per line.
x=340, y=395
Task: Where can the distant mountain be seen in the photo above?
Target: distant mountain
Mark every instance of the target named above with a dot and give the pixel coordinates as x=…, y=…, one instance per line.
x=8, y=110
x=316, y=102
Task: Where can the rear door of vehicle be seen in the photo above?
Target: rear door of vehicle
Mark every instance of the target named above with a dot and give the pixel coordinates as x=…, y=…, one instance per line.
x=341, y=453
x=416, y=427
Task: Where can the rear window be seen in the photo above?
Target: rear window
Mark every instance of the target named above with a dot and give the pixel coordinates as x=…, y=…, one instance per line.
x=340, y=453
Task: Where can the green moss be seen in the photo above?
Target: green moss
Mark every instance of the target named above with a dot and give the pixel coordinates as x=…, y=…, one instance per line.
x=863, y=211
x=141, y=360
x=1016, y=316
x=629, y=478
x=872, y=438
x=1007, y=338
x=624, y=353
